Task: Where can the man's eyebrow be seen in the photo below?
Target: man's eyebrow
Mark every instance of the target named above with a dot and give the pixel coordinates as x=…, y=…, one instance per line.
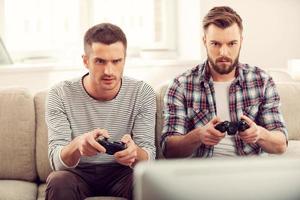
x=220, y=42
x=118, y=59
x=215, y=41
x=104, y=60
x=98, y=58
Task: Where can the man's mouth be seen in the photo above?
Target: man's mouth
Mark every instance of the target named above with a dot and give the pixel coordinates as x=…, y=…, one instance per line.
x=224, y=61
x=108, y=80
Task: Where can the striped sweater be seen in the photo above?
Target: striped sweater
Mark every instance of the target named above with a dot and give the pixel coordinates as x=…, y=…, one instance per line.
x=70, y=112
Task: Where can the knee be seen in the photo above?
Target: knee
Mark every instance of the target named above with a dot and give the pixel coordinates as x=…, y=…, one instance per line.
x=63, y=185
x=60, y=179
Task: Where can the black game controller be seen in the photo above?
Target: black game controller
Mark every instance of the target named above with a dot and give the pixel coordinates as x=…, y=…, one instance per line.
x=232, y=127
x=242, y=125
x=111, y=147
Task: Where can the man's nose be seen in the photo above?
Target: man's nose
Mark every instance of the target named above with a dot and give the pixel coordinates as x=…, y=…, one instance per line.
x=108, y=70
x=224, y=50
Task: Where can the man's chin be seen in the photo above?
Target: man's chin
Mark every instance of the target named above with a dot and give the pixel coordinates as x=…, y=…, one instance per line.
x=108, y=87
x=225, y=71
x=227, y=65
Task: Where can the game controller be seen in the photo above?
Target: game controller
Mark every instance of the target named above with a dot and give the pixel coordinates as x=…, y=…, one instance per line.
x=111, y=147
x=232, y=127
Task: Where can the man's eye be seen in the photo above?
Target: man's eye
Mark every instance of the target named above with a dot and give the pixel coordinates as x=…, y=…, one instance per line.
x=117, y=61
x=215, y=44
x=100, y=61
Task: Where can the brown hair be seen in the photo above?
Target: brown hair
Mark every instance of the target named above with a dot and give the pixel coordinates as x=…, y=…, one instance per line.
x=222, y=17
x=105, y=33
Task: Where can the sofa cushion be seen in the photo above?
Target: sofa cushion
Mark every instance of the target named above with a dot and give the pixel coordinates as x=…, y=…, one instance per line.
x=17, y=134
x=16, y=190
x=41, y=191
x=290, y=107
x=42, y=165
x=293, y=149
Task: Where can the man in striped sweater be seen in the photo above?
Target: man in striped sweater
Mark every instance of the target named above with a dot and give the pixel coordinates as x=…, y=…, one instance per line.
x=101, y=103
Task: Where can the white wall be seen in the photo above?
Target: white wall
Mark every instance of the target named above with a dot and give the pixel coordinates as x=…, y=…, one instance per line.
x=189, y=29
x=271, y=30
x=1, y=17
x=271, y=38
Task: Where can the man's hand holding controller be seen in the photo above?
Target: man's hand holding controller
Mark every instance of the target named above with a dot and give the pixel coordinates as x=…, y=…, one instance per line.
x=208, y=134
x=125, y=152
x=83, y=145
x=232, y=128
x=87, y=144
x=248, y=131
x=252, y=134
x=128, y=156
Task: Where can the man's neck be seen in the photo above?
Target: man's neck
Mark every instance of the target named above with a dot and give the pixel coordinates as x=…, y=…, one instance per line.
x=98, y=93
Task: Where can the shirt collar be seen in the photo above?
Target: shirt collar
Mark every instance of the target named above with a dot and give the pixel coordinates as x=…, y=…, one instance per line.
x=241, y=70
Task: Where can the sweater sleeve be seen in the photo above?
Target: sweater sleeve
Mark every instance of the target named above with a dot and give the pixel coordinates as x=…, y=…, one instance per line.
x=144, y=124
x=59, y=131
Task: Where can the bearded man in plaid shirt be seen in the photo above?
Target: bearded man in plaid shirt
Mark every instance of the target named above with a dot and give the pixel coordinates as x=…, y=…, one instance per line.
x=222, y=89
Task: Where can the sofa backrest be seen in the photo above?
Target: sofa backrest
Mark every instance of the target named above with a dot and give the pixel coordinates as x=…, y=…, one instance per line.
x=160, y=93
x=42, y=165
x=289, y=93
x=17, y=135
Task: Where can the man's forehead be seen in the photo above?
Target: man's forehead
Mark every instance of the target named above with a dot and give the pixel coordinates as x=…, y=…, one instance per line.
x=102, y=51
x=230, y=33
x=107, y=57
x=99, y=45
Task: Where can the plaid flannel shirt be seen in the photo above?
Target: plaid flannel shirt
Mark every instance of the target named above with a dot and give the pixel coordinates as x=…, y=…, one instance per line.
x=190, y=103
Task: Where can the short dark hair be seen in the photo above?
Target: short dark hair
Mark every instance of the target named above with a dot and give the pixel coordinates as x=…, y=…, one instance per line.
x=222, y=17
x=105, y=33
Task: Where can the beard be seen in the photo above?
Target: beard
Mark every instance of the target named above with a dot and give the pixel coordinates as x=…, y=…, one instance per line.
x=222, y=68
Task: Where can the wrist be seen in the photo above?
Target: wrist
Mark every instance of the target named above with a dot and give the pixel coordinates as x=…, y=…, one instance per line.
x=65, y=161
x=141, y=154
x=72, y=150
x=196, y=135
x=262, y=134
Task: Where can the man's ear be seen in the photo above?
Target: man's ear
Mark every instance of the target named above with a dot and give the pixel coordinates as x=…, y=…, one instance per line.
x=241, y=42
x=85, y=60
x=204, y=39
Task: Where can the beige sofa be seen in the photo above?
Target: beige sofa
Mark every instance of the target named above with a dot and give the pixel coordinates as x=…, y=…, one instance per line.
x=24, y=164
